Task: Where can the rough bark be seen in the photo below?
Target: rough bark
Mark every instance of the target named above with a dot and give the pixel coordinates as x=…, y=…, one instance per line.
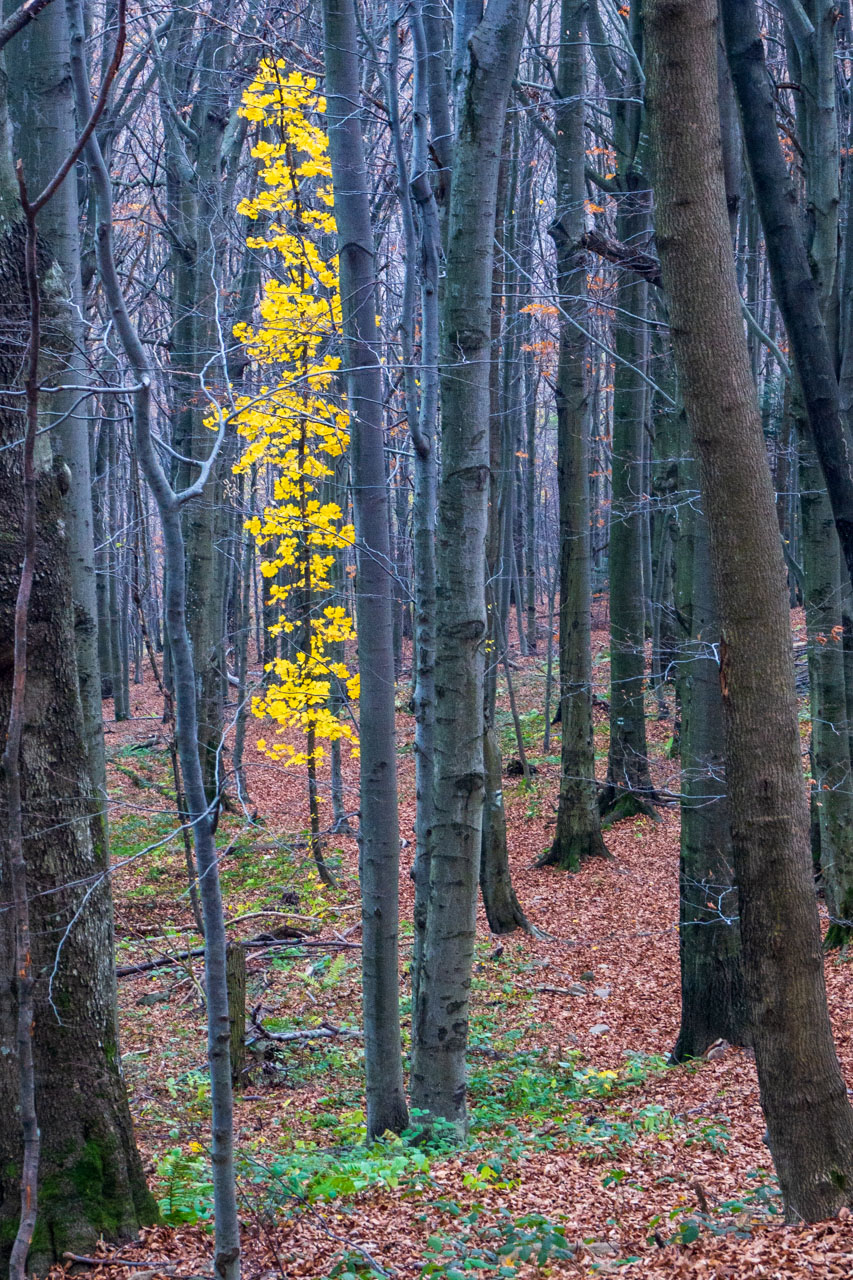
x=91, y=1176
x=41, y=107
x=809, y=1119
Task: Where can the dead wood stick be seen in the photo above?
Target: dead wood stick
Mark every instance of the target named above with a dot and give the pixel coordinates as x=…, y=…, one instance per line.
x=148, y=966
x=327, y=1031
x=141, y=1264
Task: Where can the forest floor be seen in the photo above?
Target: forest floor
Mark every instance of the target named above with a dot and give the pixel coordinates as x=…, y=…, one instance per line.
x=587, y=1155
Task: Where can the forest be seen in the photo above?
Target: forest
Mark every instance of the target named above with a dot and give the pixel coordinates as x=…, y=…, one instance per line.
x=426, y=639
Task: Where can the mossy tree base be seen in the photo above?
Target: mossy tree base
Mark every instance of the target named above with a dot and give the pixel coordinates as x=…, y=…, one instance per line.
x=570, y=851
x=615, y=804
x=838, y=936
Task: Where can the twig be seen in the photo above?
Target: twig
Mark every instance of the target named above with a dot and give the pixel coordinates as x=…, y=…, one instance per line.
x=148, y=966
x=167, y=1268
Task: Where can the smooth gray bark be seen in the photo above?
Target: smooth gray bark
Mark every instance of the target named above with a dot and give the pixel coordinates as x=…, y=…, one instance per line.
x=578, y=832
x=440, y=1028
x=379, y=835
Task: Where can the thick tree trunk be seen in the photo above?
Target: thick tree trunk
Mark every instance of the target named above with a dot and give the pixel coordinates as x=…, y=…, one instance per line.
x=578, y=833
x=91, y=1179
x=440, y=1025
x=227, y=1227
x=379, y=836
x=41, y=105
x=809, y=1119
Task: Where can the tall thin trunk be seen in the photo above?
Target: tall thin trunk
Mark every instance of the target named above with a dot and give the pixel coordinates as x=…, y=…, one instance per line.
x=628, y=788
x=713, y=1000
x=440, y=1025
x=832, y=779
x=425, y=476
x=578, y=833
x=379, y=836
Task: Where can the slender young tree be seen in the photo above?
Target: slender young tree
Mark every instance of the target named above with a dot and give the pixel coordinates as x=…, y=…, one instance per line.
x=379, y=834
x=425, y=441
x=803, y=1096
x=628, y=788
x=486, y=49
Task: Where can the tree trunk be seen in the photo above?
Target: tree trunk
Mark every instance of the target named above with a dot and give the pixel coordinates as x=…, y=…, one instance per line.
x=379, y=836
x=227, y=1227
x=425, y=477
x=41, y=105
x=628, y=789
x=831, y=778
x=809, y=1119
x=235, y=962
x=440, y=1024
x=578, y=833
x=795, y=289
x=713, y=1000
x=91, y=1180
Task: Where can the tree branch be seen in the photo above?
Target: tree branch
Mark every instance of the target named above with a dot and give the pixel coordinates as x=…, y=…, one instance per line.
x=20, y=18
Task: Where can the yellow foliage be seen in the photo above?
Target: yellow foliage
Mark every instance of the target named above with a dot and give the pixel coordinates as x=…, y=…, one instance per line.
x=297, y=427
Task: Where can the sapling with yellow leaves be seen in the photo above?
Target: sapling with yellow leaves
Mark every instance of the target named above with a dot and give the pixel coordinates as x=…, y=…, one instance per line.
x=296, y=428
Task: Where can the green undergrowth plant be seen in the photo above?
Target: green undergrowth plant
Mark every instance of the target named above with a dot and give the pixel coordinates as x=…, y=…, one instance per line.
x=186, y=1186
x=494, y=1244
x=760, y=1205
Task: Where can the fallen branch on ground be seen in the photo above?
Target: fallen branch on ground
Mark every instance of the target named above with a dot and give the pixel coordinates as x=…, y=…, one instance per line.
x=265, y=940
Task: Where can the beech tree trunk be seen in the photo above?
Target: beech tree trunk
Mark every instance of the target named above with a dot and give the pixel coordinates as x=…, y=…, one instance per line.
x=440, y=1024
x=379, y=833
x=578, y=833
x=803, y=1095
x=628, y=789
x=41, y=106
x=713, y=1000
